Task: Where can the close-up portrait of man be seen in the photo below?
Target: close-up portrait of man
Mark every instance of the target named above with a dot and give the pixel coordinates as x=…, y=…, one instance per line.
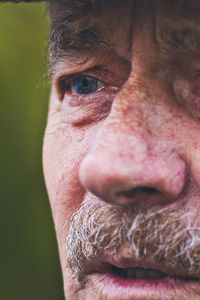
x=121, y=149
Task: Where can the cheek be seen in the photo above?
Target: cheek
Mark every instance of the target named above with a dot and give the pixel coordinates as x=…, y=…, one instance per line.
x=61, y=163
x=63, y=152
x=61, y=157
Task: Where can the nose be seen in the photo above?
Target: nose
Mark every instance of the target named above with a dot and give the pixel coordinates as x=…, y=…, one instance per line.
x=130, y=166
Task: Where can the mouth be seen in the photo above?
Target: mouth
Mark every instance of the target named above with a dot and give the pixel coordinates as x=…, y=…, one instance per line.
x=129, y=279
x=129, y=268
x=143, y=273
x=137, y=273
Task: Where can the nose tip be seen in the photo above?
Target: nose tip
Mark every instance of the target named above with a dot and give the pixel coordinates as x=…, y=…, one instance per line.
x=144, y=183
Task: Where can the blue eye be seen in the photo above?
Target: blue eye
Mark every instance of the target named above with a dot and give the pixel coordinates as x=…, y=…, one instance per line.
x=87, y=85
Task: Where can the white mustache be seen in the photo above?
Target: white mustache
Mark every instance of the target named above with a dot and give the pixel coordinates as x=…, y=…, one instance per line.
x=166, y=235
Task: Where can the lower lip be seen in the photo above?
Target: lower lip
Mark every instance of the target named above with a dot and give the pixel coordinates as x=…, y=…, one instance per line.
x=166, y=282
x=141, y=288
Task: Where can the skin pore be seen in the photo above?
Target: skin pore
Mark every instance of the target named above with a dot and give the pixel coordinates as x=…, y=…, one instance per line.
x=122, y=162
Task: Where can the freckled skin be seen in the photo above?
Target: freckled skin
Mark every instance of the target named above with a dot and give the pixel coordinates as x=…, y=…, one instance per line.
x=149, y=134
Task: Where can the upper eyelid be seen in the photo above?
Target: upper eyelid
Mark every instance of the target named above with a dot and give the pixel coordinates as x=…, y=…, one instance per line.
x=95, y=72
x=66, y=77
x=82, y=75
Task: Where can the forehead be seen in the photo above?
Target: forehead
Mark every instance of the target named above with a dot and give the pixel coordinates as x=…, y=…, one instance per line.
x=89, y=25
x=77, y=8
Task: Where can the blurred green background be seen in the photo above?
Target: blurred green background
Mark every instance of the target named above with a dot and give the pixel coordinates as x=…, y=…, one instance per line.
x=29, y=265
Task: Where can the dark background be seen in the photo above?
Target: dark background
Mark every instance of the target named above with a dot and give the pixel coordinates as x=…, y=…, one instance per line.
x=29, y=265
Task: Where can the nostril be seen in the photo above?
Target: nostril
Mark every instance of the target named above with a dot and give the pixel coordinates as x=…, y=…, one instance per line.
x=140, y=191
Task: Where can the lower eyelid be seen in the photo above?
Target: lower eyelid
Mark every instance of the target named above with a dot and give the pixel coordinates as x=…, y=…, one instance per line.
x=102, y=97
x=85, y=110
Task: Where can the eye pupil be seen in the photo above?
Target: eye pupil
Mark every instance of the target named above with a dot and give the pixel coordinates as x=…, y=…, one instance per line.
x=85, y=82
x=86, y=85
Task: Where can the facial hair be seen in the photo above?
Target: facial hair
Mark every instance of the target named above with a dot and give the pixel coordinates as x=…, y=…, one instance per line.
x=166, y=235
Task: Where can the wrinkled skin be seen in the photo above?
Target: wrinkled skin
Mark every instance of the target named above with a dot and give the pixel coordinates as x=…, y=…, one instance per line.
x=140, y=133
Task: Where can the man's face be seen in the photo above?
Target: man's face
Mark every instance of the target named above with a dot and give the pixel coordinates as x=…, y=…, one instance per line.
x=122, y=149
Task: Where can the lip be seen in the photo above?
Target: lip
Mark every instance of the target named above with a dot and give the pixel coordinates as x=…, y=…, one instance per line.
x=116, y=287
x=103, y=265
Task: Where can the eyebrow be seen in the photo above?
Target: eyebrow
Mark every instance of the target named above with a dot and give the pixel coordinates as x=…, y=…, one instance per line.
x=64, y=42
x=184, y=39
x=67, y=39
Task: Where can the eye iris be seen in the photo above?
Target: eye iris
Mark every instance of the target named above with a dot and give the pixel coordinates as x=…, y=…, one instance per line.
x=86, y=85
